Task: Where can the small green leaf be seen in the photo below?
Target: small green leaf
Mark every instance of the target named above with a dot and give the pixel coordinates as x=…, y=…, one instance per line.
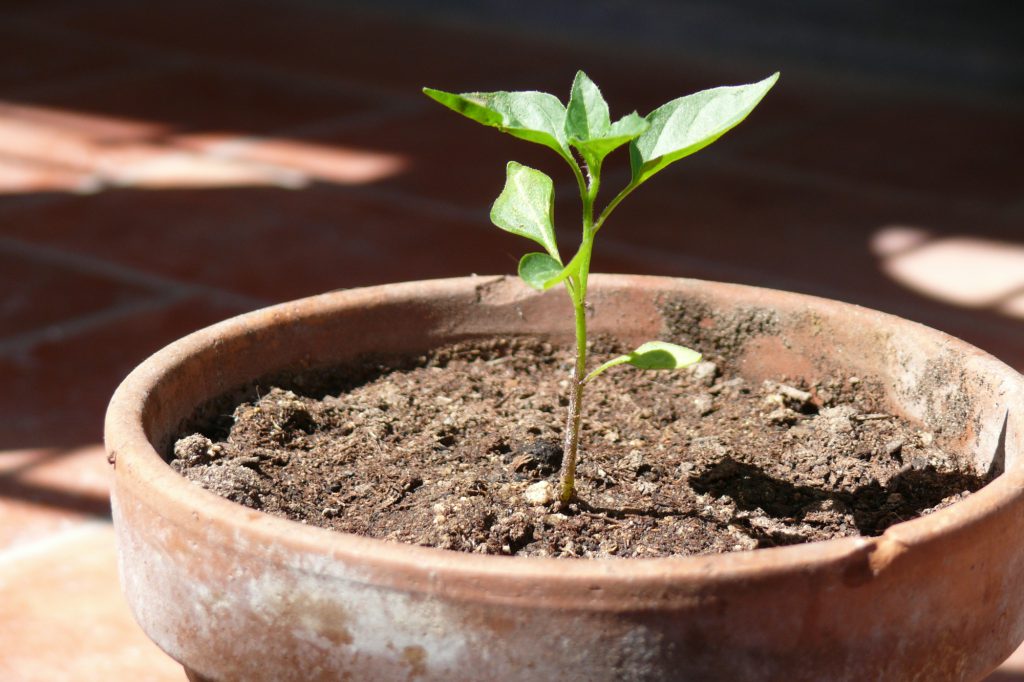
x=542, y=272
x=629, y=126
x=537, y=268
x=532, y=116
x=622, y=131
x=688, y=124
x=651, y=355
x=587, y=114
x=662, y=355
x=525, y=207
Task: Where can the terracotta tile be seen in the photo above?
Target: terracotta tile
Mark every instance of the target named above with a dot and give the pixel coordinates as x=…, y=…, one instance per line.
x=307, y=161
x=950, y=150
x=70, y=621
x=47, y=491
x=445, y=157
x=56, y=391
x=209, y=98
x=18, y=176
x=48, y=149
x=273, y=244
x=69, y=145
x=38, y=295
x=30, y=58
x=163, y=167
x=27, y=125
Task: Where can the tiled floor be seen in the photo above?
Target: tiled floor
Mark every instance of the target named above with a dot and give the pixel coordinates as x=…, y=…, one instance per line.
x=163, y=167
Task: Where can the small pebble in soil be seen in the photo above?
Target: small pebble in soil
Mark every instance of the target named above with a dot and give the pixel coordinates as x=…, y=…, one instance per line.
x=704, y=372
x=703, y=404
x=539, y=494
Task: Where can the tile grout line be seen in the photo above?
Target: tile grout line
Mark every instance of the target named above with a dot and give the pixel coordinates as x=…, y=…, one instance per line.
x=164, y=294
x=124, y=274
x=19, y=345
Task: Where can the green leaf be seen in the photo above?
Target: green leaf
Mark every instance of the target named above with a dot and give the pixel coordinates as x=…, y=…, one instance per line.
x=537, y=268
x=688, y=124
x=587, y=114
x=532, y=116
x=542, y=272
x=526, y=206
x=662, y=355
x=652, y=355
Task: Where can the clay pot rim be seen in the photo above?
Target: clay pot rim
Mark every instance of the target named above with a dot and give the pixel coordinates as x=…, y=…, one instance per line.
x=184, y=503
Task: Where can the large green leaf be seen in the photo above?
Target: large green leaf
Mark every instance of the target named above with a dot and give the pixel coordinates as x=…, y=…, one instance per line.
x=526, y=206
x=532, y=116
x=688, y=124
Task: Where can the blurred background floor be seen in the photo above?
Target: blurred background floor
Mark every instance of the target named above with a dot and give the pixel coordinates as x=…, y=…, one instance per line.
x=166, y=165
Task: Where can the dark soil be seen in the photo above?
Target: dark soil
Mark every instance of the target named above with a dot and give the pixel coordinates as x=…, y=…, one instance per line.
x=460, y=450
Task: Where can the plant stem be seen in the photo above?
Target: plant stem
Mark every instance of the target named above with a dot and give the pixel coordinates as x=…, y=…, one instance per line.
x=578, y=293
x=567, y=484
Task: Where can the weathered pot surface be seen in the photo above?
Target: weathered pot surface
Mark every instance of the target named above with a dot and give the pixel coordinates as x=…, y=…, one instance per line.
x=235, y=594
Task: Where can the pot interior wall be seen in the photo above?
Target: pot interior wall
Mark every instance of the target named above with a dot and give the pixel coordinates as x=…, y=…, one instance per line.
x=760, y=333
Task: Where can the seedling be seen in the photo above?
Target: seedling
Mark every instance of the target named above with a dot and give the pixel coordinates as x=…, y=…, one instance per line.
x=582, y=133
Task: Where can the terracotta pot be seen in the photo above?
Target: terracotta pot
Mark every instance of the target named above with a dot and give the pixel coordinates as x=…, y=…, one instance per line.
x=235, y=594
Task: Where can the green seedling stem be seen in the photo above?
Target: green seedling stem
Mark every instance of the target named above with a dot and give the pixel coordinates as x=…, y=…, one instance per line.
x=582, y=133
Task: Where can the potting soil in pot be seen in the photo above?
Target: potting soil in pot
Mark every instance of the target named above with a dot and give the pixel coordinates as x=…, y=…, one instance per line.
x=460, y=449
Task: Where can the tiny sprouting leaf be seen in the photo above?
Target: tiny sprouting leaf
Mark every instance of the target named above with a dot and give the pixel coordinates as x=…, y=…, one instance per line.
x=588, y=126
x=628, y=127
x=663, y=355
x=542, y=272
x=526, y=206
x=688, y=124
x=586, y=116
x=532, y=116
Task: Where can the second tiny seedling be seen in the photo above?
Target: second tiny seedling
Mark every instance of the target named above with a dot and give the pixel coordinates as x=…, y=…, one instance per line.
x=582, y=133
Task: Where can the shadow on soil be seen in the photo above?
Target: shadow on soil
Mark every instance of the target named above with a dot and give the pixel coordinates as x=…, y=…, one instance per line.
x=874, y=507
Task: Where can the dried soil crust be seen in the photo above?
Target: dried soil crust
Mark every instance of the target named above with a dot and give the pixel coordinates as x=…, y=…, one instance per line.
x=460, y=450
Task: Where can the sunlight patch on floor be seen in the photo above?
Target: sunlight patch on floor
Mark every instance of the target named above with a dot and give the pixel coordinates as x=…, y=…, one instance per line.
x=966, y=271
x=49, y=150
